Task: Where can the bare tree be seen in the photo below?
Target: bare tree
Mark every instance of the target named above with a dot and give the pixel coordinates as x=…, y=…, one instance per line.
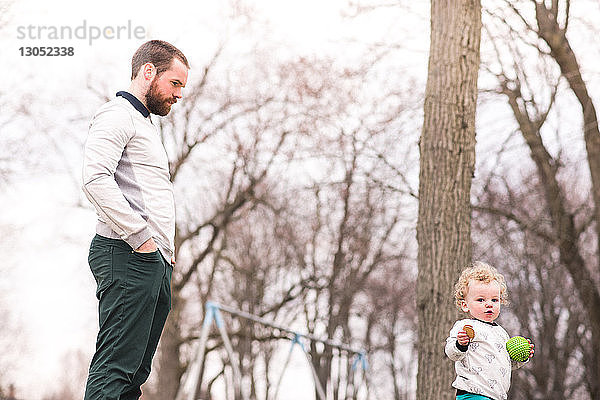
x=240, y=148
x=538, y=285
x=567, y=223
x=447, y=150
x=257, y=272
x=390, y=313
x=353, y=216
x=353, y=240
x=332, y=233
x=252, y=132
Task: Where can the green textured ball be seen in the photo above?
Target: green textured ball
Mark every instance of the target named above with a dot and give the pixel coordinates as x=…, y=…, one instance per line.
x=518, y=348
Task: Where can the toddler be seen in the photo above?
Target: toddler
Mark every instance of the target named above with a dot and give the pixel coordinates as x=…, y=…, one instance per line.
x=483, y=366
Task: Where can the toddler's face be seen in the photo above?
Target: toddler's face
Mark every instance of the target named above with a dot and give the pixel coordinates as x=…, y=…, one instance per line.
x=482, y=300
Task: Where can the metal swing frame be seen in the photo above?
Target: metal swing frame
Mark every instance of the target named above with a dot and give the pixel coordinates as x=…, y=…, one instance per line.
x=191, y=379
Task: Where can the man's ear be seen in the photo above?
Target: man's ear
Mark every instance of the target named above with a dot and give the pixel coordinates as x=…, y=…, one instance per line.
x=148, y=71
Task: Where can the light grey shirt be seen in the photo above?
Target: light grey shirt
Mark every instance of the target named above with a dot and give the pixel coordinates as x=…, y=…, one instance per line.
x=126, y=177
x=485, y=368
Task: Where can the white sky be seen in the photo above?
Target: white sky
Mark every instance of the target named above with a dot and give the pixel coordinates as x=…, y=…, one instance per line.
x=51, y=289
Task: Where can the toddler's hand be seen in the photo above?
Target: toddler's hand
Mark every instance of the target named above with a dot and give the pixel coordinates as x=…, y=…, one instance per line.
x=462, y=338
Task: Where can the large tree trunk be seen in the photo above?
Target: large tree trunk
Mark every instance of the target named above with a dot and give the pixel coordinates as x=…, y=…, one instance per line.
x=447, y=151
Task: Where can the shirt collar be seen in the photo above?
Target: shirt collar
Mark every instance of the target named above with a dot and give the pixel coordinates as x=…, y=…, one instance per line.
x=138, y=105
x=485, y=322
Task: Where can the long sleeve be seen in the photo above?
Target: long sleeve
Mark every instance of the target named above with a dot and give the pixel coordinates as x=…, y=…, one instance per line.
x=451, y=349
x=517, y=364
x=110, y=131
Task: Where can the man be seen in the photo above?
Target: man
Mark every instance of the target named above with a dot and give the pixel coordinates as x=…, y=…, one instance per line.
x=126, y=178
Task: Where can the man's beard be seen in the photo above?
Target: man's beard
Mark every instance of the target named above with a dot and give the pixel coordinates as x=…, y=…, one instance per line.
x=155, y=102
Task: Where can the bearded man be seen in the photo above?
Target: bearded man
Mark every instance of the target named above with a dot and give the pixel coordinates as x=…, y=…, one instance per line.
x=126, y=178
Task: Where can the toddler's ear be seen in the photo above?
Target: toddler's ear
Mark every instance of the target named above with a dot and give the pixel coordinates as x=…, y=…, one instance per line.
x=463, y=306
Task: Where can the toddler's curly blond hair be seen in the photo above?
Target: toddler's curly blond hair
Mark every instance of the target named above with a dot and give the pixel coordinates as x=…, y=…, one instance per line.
x=482, y=272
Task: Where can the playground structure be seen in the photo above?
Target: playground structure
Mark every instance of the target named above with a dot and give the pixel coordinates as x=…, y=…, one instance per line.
x=191, y=379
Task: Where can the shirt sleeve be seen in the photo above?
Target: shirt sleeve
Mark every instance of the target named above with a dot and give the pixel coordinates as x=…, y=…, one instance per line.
x=517, y=364
x=110, y=131
x=451, y=349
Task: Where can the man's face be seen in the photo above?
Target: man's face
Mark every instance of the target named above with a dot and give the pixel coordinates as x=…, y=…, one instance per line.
x=166, y=88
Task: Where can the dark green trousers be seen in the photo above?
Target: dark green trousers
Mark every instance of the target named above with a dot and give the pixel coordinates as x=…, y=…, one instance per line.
x=134, y=293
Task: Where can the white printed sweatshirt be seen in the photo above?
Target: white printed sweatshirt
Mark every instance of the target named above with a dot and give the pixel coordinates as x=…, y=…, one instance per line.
x=485, y=367
x=126, y=176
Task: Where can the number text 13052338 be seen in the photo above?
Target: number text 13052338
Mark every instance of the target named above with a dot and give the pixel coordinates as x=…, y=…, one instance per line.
x=46, y=51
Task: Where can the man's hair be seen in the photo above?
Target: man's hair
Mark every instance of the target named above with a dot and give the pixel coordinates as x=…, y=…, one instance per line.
x=157, y=52
x=481, y=272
